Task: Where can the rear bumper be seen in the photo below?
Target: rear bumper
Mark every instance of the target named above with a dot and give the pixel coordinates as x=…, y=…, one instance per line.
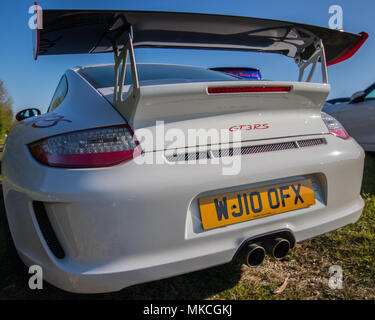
x=112, y=278
x=128, y=224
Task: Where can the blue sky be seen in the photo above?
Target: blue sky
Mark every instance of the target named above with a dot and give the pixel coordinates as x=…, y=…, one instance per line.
x=32, y=83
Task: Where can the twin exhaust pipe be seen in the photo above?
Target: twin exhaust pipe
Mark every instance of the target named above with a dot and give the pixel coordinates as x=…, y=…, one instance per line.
x=277, y=248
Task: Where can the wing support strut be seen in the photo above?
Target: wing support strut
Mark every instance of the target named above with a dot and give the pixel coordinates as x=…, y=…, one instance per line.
x=318, y=55
x=121, y=57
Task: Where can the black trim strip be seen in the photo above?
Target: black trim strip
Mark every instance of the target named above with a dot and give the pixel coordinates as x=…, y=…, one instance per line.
x=47, y=230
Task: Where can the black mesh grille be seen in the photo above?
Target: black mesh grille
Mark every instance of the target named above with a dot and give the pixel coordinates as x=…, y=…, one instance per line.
x=188, y=156
x=254, y=149
x=47, y=230
x=311, y=142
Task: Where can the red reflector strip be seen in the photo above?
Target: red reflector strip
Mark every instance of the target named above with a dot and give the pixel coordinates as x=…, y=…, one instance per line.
x=214, y=90
x=349, y=52
x=341, y=133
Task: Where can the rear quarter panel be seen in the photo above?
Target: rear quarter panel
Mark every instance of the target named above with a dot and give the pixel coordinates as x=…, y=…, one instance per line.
x=82, y=108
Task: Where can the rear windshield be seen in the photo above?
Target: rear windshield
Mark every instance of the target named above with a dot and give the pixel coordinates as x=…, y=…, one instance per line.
x=103, y=76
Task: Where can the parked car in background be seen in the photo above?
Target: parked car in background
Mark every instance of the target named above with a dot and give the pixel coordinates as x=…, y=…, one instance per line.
x=244, y=73
x=338, y=100
x=357, y=115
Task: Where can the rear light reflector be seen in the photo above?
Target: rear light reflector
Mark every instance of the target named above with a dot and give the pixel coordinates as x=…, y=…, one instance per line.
x=215, y=90
x=334, y=126
x=99, y=147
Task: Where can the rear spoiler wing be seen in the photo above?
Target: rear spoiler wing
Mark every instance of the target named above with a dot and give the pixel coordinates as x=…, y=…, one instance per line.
x=97, y=31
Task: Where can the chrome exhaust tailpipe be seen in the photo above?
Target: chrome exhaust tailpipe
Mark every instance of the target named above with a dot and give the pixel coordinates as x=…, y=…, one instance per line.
x=255, y=255
x=277, y=248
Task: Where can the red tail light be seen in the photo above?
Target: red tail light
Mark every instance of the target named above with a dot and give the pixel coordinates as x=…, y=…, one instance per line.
x=335, y=127
x=100, y=147
x=215, y=90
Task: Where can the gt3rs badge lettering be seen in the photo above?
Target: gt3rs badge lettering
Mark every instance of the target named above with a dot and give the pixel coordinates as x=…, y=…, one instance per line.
x=48, y=121
x=248, y=127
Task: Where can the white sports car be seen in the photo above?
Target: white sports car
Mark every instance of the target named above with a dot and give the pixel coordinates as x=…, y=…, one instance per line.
x=141, y=173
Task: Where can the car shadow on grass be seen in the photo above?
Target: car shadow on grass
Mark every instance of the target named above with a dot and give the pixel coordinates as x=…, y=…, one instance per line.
x=203, y=284
x=368, y=183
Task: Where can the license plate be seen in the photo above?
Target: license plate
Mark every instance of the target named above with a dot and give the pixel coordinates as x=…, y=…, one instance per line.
x=228, y=208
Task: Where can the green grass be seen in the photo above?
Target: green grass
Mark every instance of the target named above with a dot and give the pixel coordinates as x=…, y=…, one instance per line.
x=305, y=270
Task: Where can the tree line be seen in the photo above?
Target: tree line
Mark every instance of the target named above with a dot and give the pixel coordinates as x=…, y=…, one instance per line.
x=6, y=113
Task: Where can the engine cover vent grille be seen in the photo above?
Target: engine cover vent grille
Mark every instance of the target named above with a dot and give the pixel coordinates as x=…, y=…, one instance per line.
x=245, y=150
x=311, y=142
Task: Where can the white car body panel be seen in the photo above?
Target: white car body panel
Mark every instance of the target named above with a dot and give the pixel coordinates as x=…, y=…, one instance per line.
x=193, y=108
x=131, y=223
x=165, y=101
x=82, y=99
